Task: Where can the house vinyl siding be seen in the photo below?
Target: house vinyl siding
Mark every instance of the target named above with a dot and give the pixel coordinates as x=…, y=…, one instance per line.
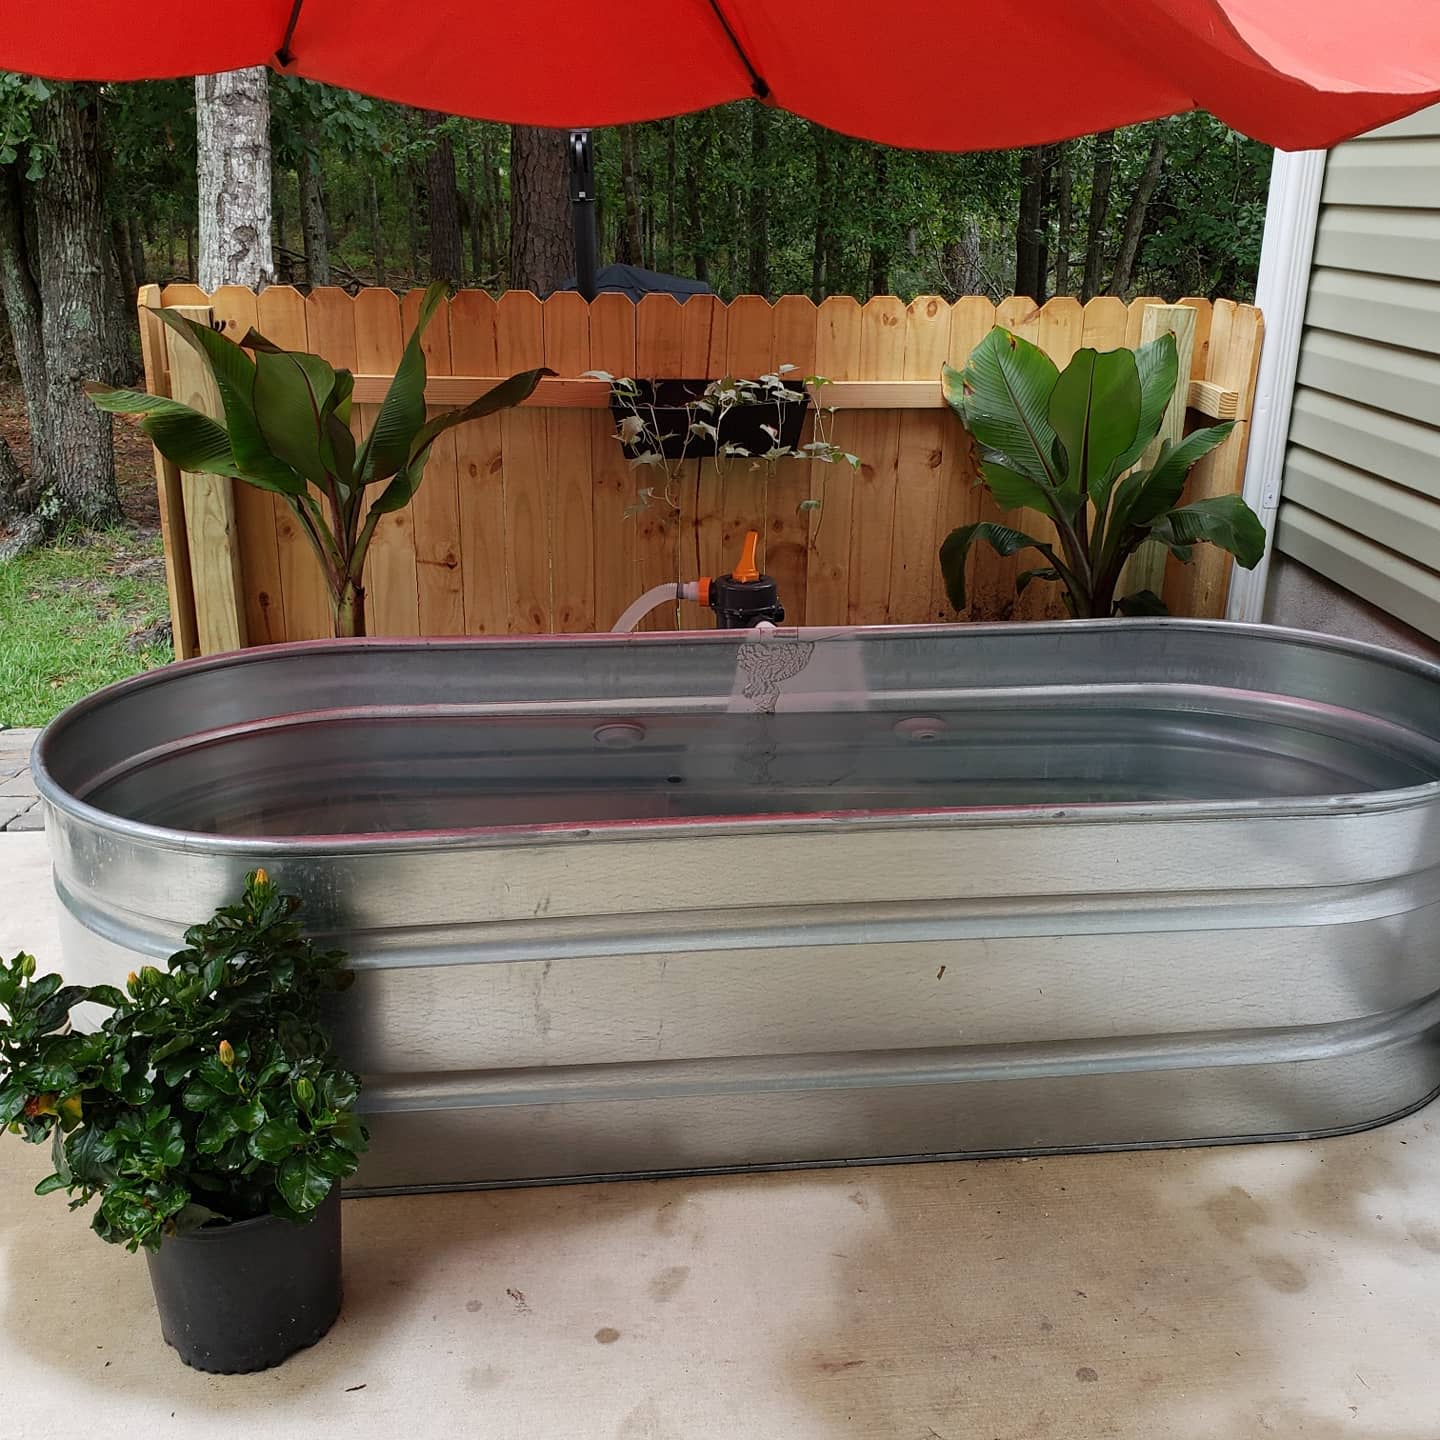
x=1360, y=492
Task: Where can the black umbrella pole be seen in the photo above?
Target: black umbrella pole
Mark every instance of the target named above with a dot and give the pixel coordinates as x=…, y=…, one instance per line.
x=582, y=210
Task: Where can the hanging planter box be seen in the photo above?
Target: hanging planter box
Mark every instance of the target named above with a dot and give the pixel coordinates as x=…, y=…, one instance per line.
x=667, y=407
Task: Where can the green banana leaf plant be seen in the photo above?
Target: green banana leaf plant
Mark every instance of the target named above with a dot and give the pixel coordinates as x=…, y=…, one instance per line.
x=1062, y=442
x=286, y=428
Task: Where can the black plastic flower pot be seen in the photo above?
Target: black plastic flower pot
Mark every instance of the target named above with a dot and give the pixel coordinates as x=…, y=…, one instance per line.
x=662, y=404
x=242, y=1297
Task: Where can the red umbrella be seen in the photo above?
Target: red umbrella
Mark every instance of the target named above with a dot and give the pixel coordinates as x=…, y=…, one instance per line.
x=921, y=73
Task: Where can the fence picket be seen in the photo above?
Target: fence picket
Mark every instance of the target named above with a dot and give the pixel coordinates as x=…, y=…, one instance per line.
x=838, y=325
x=572, y=564
x=612, y=349
x=743, y=485
x=705, y=333
x=391, y=582
x=787, y=526
x=921, y=463
x=280, y=317
x=659, y=355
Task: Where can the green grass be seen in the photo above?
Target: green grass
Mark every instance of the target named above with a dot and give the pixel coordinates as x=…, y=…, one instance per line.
x=71, y=614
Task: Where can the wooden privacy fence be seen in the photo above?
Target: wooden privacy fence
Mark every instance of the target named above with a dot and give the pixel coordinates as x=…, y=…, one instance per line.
x=520, y=525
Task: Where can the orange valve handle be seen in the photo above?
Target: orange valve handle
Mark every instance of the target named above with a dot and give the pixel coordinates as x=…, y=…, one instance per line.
x=747, y=569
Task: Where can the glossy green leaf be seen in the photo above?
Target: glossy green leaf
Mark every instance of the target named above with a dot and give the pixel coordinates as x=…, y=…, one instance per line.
x=1157, y=368
x=1001, y=538
x=1142, y=602
x=1095, y=412
x=1003, y=399
x=248, y=1115
x=216, y=1130
x=193, y=441
x=402, y=412
x=276, y=1139
x=303, y=1183
x=1165, y=481
x=1223, y=520
x=289, y=412
x=1013, y=491
x=50, y=1184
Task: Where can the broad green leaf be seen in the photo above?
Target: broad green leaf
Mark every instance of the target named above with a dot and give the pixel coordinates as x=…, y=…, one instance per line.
x=216, y=1131
x=1013, y=491
x=193, y=441
x=1223, y=520
x=349, y=1132
x=499, y=397
x=1165, y=482
x=289, y=413
x=1142, y=602
x=402, y=412
x=249, y=1115
x=50, y=1184
x=276, y=1139
x=303, y=1183
x=1095, y=412
x=1157, y=367
x=1003, y=398
x=1023, y=579
x=1001, y=538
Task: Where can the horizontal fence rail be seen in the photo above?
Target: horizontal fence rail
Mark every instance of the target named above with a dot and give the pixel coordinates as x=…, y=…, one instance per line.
x=529, y=522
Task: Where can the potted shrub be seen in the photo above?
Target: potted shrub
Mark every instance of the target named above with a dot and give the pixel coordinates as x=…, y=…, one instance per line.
x=208, y=1117
x=1062, y=442
x=287, y=429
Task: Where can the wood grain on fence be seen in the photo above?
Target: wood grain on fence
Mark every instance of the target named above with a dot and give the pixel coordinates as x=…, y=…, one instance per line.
x=533, y=521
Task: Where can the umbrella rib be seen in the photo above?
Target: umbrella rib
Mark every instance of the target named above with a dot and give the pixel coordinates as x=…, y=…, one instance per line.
x=284, y=55
x=757, y=81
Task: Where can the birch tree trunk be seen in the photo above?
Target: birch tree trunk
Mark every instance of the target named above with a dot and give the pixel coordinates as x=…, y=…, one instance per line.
x=73, y=242
x=232, y=133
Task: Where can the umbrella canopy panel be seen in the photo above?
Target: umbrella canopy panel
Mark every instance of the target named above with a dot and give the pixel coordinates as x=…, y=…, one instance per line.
x=1298, y=74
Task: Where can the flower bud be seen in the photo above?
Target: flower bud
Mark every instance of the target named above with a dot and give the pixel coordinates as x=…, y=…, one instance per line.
x=227, y=1054
x=304, y=1093
x=27, y=965
x=132, y=985
x=261, y=878
x=148, y=976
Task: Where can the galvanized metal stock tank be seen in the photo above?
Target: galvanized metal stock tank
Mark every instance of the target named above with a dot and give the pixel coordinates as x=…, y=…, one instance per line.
x=625, y=905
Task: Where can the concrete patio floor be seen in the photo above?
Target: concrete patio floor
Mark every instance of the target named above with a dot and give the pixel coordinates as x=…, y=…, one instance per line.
x=1285, y=1290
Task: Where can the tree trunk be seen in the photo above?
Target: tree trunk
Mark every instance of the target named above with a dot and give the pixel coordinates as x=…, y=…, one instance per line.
x=878, y=280
x=475, y=197
x=759, y=268
x=1064, y=217
x=232, y=134
x=377, y=233
x=1101, y=176
x=190, y=266
x=631, y=249
x=447, y=255
x=138, y=267
x=960, y=261
x=119, y=346
x=697, y=155
x=824, y=201
x=1135, y=218
x=22, y=306
x=312, y=211
x=490, y=188
x=671, y=179
x=542, y=245
x=1028, y=280
x=15, y=497
x=72, y=242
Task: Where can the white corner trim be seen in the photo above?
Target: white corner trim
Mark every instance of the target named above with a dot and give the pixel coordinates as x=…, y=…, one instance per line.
x=1280, y=291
